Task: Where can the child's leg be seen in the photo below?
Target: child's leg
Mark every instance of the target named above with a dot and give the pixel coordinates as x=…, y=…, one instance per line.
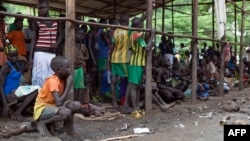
x=74, y=106
x=61, y=115
x=125, y=108
x=76, y=94
x=28, y=99
x=113, y=91
x=133, y=96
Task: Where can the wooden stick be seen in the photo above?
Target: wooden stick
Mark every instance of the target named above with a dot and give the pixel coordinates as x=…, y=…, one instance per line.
x=241, y=41
x=114, y=26
x=121, y=137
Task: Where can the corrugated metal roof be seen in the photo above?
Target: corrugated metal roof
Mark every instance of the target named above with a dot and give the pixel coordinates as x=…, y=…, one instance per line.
x=97, y=8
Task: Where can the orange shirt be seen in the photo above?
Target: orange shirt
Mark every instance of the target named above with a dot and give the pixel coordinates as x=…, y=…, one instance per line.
x=45, y=96
x=17, y=38
x=3, y=57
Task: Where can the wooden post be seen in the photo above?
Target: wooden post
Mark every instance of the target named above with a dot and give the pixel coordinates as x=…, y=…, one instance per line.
x=114, y=10
x=213, y=21
x=163, y=16
x=194, y=49
x=148, y=89
x=172, y=5
x=241, y=42
x=235, y=31
x=70, y=40
x=222, y=67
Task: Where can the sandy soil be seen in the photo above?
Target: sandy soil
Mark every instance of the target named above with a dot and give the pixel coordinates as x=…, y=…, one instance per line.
x=185, y=122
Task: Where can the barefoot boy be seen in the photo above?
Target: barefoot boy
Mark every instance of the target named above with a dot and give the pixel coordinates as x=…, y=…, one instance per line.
x=51, y=105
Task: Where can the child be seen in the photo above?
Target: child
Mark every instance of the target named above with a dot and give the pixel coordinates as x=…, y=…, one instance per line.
x=81, y=56
x=103, y=47
x=44, y=44
x=119, y=58
x=51, y=105
x=3, y=57
x=135, y=68
x=17, y=37
x=10, y=89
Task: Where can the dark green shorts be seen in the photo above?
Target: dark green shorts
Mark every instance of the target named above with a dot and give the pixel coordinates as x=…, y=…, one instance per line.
x=79, y=78
x=119, y=69
x=102, y=63
x=135, y=74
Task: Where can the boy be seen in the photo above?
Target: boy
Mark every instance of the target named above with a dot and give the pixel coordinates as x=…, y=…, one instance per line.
x=103, y=47
x=3, y=57
x=51, y=105
x=81, y=56
x=135, y=67
x=119, y=52
x=46, y=39
x=9, y=85
x=17, y=38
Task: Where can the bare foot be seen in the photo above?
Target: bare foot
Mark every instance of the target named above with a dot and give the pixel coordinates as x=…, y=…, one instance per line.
x=43, y=130
x=52, y=129
x=18, y=117
x=126, y=110
x=115, y=106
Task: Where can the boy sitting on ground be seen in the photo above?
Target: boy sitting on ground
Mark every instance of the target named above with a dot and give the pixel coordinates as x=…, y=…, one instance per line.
x=51, y=105
x=10, y=88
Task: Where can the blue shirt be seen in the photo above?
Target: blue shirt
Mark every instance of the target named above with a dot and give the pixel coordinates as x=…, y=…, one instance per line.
x=12, y=79
x=102, y=45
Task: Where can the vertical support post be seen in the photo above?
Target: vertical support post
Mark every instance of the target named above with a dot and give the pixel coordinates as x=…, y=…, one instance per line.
x=114, y=11
x=148, y=88
x=235, y=31
x=163, y=16
x=241, y=42
x=213, y=20
x=70, y=42
x=34, y=11
x=194, y=50
x=1, y=2
x=172, y=5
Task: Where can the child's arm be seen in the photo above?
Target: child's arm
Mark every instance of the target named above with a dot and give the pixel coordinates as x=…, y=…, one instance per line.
x=33, y=43
x=90, y=48
x=4, y=72
x=61, y=99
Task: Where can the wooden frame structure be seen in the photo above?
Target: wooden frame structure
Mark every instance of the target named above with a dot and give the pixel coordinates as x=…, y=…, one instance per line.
x=71, y=7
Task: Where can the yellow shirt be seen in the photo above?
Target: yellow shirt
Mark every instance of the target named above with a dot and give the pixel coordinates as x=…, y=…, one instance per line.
x=45, y=96
x=120, y=51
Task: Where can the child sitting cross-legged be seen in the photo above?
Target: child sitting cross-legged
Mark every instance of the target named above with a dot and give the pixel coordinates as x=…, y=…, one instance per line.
x=51, y=104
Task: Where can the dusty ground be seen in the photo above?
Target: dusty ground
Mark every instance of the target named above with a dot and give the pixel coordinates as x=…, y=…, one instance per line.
x=184, y=122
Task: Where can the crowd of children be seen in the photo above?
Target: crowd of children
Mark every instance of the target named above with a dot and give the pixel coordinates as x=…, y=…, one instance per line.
x=107, y=64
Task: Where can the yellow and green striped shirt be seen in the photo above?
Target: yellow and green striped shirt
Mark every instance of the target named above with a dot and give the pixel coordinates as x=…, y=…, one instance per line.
x=138, y=57
x=120, y=51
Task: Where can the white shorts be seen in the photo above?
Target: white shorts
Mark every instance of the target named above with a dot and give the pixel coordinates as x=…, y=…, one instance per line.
x=26, y=90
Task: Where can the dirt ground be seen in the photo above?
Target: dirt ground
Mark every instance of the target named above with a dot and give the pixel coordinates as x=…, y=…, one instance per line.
x=185, y=122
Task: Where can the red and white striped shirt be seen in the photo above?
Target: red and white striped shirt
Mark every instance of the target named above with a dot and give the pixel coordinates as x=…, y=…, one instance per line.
x=46, y=35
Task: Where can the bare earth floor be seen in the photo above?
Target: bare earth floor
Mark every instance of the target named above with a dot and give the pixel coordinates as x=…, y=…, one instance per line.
x=185, y=122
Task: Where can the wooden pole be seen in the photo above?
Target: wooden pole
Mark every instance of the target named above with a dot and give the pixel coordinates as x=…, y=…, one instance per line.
x=148, y=89
x=235, y=31
x=213, y=20
x=114, y=10
x=163, y=16
x=70, y=40
x=172, y=5
x=194, y=49
x=241, y=41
